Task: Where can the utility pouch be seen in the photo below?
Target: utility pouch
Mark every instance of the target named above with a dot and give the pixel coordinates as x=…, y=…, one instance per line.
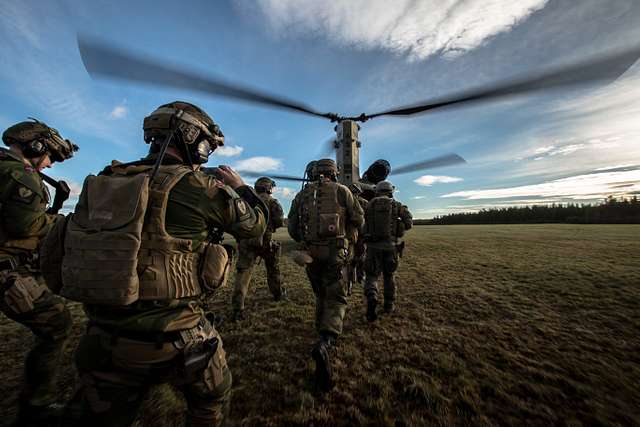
x=22, y=293
x=102, y=241
x=215, y=265
x=196, y=357
x=329, y=225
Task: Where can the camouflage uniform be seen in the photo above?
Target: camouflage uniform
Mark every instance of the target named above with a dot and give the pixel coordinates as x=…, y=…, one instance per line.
x=327, y=270
x=128, y=348
x=25, y=298
x=357, y=251
x=265, y=248
x=382, y=254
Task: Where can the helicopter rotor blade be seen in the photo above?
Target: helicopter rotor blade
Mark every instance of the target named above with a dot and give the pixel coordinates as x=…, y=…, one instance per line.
x=108, y=61
x=607, y=67
x=436, y=162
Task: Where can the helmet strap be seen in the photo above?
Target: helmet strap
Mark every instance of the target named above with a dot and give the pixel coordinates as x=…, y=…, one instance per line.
x=161, y=153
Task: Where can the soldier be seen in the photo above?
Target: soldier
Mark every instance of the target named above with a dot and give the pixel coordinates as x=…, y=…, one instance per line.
x=264, y=247
x=386, y=220
x=355, y=272
x=24, y=222
x=321, y=217
x=158, y=223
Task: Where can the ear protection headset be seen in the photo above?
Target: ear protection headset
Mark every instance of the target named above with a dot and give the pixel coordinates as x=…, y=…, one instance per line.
x=199, y=139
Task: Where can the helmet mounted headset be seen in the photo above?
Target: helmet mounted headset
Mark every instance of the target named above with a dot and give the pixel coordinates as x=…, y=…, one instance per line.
x=198, y=139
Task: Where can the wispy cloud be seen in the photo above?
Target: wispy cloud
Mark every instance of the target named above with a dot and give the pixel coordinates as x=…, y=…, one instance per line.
x=118, y=112
x=229, y=150
x=285, y=192
x=428, y=180
x=416, y=29
x=418, y=197
x=40, y=60
x=258, y=164
x=580, y=187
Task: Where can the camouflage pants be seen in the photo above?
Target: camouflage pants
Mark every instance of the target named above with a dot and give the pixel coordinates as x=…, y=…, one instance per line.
x=355, y=270
x=385, y=262
x=328, y=280
x=116, y=373
x=25, y=299
x=247, y=258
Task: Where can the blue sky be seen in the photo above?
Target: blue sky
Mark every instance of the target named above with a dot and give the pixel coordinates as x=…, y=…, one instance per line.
x=348, y=57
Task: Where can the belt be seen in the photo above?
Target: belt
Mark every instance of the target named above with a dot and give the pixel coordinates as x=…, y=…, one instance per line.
x=157, y=338
x=149, y=337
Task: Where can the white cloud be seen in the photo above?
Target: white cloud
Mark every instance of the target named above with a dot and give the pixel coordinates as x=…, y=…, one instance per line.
x=258, y=164
x=118, y=112
x=229, y=150
x=585, y=186
x=417, y=29
x=418, y=197
x=285, y=192
x=428, y=180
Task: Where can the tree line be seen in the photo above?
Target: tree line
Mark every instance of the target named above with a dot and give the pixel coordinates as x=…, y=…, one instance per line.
x=610, y=211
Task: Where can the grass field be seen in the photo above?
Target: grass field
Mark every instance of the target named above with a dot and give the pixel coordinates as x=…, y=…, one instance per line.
x=536, y=324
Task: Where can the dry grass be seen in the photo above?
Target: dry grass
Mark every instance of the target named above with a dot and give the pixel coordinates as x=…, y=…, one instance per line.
x=536, y=324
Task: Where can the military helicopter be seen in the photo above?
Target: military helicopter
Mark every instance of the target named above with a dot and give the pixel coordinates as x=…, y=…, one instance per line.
x=107, y=61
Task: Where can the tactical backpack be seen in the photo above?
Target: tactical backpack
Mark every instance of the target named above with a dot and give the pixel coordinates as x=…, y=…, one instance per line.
x=321, y=215
x=382, y=222
x=116, y=248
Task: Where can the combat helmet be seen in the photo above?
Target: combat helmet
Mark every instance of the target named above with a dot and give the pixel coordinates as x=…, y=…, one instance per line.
x=384, y=188
x=192, y=130
x=36, y=139
x=326, y=168
x=309, y=171
x=264, y=184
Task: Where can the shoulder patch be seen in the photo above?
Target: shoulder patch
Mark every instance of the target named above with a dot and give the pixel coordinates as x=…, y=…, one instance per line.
x=28, y=180
x=24, y=192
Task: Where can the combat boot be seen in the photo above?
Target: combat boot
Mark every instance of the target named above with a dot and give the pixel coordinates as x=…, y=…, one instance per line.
x=389, y=308
x=320, y=354
x=372, y=303
x=283, y=296
x=45, y=415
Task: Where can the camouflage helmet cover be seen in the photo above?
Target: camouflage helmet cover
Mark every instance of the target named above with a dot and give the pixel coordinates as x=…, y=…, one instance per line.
x=192, y=122
x=326, y=167
x=264, y=184
x=310, y=169
x=384, y=187
x=58, y=148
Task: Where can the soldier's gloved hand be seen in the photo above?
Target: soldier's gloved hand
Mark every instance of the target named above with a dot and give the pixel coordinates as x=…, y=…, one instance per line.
x=62, y=194
x=230, y=177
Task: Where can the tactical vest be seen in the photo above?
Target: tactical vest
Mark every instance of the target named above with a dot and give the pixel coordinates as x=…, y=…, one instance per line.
x=8, y=244
x=382, y=220
x=117, y=249
x=321, y=216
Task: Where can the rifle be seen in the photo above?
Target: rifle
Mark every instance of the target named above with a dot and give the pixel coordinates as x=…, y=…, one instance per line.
x=62, y=193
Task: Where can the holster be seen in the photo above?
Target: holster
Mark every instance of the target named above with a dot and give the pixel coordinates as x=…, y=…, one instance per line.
x=199, y=345
x=196, y=357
